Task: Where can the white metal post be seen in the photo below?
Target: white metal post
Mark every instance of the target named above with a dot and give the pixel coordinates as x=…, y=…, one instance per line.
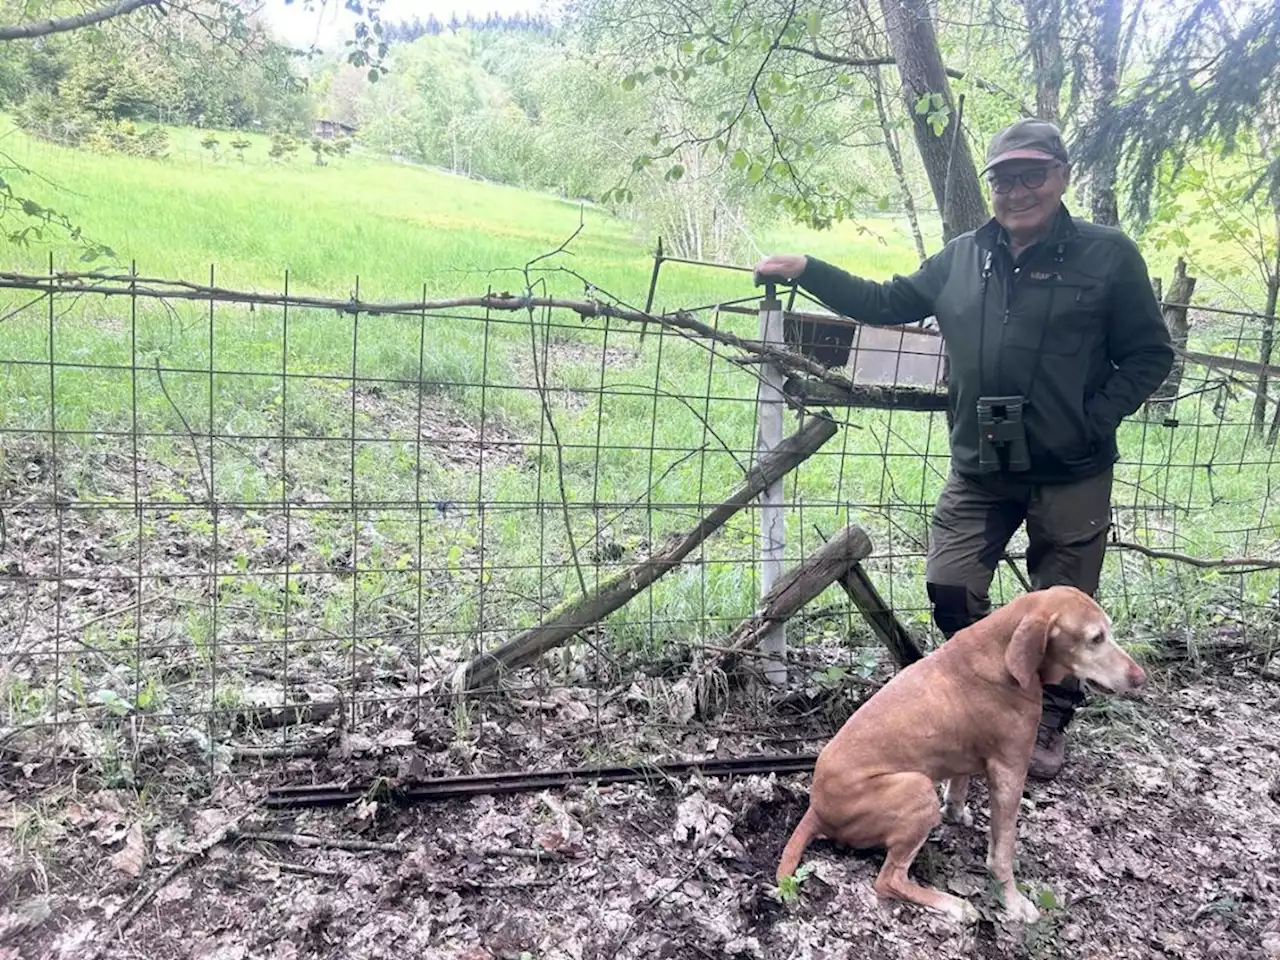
x=769, y=412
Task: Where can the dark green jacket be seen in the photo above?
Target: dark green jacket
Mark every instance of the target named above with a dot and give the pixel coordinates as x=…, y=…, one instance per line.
x=1073, y=326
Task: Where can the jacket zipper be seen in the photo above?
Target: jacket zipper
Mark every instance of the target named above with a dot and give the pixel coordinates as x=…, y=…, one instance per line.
x=1010, y=288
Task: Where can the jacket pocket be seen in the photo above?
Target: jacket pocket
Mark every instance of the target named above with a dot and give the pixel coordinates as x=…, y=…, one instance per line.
x=1055, y=317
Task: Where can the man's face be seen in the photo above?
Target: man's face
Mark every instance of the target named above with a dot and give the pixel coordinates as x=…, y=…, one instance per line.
x=1025, y=194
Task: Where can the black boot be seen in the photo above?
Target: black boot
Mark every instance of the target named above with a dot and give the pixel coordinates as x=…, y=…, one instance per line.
x=1060, y=702
x=1050, y=752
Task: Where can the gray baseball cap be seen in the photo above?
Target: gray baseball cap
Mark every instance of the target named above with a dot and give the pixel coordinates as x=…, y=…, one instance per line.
x=1028, y=139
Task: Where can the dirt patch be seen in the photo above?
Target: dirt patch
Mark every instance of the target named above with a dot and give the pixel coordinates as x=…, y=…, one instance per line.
x=1158, y=840
x=561, y=371
x=453, y=436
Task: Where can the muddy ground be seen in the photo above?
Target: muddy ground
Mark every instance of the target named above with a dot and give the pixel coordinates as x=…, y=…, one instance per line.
x=1160, y=839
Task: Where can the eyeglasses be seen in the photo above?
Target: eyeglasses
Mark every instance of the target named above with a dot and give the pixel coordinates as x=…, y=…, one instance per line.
x=1032, y=179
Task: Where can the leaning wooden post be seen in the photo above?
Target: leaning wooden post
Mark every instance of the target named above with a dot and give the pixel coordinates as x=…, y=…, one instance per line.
x=573, y=616
x=769, y=412
x=832, y=562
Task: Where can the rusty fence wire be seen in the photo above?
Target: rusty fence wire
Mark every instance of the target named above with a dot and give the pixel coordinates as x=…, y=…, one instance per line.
x=232, y=519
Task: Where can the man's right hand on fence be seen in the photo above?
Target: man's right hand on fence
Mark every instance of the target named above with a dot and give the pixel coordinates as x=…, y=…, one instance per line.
x=780, y=266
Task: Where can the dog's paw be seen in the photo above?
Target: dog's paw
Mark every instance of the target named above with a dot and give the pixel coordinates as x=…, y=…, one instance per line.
x=963, y=816
x=966, y=913
x=1019, y=909
x=956, y=909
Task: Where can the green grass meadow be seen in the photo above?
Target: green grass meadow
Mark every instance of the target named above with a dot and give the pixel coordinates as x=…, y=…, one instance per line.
x=172, y=404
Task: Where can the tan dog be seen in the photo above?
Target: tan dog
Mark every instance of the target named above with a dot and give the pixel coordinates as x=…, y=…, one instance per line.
x=970, y=707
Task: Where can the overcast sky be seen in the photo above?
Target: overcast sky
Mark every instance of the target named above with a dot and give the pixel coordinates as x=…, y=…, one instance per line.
x=297, y=26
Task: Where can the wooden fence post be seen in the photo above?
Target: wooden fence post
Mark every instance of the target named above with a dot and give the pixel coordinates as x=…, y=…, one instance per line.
x=769, y=413
x=1175, y=317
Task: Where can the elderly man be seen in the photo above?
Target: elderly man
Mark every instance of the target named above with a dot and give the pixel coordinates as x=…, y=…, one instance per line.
x=1054, y=335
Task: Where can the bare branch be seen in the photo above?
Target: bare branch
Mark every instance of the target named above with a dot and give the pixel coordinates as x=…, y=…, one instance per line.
x=951, y=72
x=43, y=28
x=1252, y=563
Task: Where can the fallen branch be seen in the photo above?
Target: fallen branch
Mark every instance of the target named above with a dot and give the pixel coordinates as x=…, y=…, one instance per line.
x=285, y=715
x=880, y=396
x=308, y=748
x=1253, y=564
x=310, y=841
x=568, y=619
x=216, y=837
x=307, y=870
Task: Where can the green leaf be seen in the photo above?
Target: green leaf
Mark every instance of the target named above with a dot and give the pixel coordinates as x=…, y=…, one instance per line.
x=756, y=173
x=739, y=161
x=815, y=23
x=629, y=82
x=1048, y=900
x=882, y=203
x=763, y=98
x=686, y=47
x=922, y=105
x=676, y=172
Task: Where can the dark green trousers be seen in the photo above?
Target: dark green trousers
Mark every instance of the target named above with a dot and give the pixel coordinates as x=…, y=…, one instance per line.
x=973, y=521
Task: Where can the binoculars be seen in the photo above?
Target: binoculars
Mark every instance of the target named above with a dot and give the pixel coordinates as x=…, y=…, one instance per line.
x=1000, y=427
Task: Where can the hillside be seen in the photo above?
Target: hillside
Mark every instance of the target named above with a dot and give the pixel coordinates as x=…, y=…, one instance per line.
x=394, y=225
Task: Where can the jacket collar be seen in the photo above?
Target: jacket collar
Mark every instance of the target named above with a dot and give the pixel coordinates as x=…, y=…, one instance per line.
x=990, y=236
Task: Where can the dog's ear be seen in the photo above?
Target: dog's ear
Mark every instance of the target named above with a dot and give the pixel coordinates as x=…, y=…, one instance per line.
x=1023, y=656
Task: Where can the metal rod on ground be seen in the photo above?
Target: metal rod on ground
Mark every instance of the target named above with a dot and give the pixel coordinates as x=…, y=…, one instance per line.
x=769, y=413
x=453, y=788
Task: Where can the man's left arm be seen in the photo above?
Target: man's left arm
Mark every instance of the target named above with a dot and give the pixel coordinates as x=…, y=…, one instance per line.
x=1138, y=343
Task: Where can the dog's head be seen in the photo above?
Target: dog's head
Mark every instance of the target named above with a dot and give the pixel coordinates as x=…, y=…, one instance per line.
x=1062, y=632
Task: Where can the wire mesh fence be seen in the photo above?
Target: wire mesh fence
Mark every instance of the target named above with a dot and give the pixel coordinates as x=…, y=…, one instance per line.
x=230, y=517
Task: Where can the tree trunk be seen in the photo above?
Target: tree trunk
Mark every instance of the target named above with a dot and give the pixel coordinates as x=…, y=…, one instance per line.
x=1106, y=210
x=919, y=61
x=1268, y=343
x=1175, y=317
x=1274, y=433
x=1044, y=26
x=895, y=158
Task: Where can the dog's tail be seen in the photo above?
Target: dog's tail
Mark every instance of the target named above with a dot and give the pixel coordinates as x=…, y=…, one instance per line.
x=805, y=830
